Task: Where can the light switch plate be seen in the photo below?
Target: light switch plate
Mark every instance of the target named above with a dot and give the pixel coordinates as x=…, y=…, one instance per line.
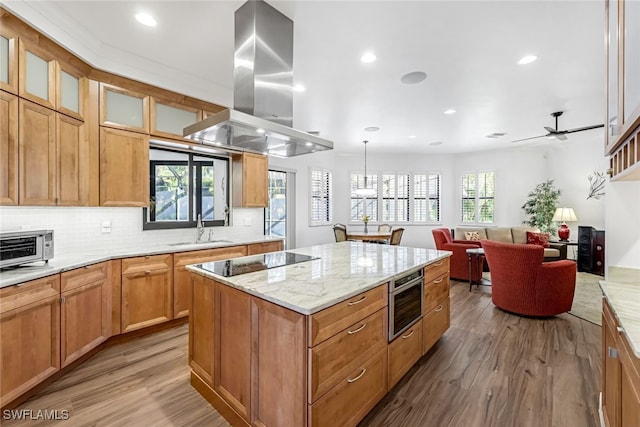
x=106, y=227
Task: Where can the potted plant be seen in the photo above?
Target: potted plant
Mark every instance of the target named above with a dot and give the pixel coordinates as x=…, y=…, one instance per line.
x=540, y=207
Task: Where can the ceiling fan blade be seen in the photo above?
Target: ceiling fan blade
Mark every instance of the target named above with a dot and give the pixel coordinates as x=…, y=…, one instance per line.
x=584, y=128
x=550, y=130
x=533, y=137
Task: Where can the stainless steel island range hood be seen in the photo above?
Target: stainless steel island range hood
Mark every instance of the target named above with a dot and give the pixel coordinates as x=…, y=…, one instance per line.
x=263, y=90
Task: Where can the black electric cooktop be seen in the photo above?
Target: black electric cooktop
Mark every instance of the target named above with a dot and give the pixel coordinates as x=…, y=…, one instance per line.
x=249, y=264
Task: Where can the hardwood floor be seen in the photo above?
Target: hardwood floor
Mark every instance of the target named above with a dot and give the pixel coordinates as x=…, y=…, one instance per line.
x=491, y=368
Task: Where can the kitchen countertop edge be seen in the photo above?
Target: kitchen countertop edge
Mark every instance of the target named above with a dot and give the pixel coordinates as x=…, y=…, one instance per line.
x=625, y=303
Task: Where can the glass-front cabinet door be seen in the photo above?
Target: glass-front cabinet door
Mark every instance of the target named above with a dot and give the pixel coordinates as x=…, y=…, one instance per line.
x=169, y=119
x=8, y=63
x=631, y=60
x=71, y=92
x=37, y=71
x=123, y=109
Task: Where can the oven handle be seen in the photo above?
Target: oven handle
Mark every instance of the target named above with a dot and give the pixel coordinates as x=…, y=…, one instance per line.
x=407, y=285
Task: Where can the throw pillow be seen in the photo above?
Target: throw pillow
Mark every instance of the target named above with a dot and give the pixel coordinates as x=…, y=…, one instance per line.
x=541, y=239
x=471, y=235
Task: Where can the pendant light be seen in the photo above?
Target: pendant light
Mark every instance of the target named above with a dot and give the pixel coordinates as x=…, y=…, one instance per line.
x=366, y=190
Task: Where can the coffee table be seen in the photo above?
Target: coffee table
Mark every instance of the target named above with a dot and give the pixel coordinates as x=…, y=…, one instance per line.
x=476, y=261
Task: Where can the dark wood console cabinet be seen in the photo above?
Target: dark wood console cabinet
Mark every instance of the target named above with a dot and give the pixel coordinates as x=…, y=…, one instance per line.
x=591, y=250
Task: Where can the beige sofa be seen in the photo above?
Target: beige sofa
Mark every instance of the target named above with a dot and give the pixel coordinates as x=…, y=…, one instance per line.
x=511, y=235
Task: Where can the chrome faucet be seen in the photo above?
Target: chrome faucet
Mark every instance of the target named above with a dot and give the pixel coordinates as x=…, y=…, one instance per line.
x=199, y=228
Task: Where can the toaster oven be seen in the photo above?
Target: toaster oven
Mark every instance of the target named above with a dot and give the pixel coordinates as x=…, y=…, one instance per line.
x=21, y=247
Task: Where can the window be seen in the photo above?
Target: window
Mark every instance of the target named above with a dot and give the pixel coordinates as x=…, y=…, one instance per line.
x=275, y=214
x=400, y=198
x=321, y=197
x=358, y=202
x=426, y=198
x=395, y=197
x=184, y=185
x=477, y=198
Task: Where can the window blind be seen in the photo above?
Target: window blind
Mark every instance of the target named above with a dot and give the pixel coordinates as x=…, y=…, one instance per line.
x=321, y=197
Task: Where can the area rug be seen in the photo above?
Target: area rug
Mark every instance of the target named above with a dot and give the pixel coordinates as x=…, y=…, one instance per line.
x=587, y=300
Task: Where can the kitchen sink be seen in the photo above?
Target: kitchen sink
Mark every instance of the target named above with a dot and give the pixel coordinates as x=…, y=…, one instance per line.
x=200, y=243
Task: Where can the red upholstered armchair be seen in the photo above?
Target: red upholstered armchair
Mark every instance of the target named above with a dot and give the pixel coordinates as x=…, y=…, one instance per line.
x=459, y=261
x=522, y=283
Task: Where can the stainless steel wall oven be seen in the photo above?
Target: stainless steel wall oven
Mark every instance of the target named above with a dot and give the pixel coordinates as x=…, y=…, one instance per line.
x=405, y=302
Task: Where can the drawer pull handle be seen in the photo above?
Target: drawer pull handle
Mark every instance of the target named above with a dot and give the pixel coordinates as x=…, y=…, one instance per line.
x=364, y=297
x=612, y=353
x=439, y=308
x=437, y=264
x=357, y=330
x=619, y=329
x=404, y=337
x=438, y=280
x=147, y=272
x=352, y=380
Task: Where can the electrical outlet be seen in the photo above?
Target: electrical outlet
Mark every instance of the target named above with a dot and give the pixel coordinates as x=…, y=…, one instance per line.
x=106, y=227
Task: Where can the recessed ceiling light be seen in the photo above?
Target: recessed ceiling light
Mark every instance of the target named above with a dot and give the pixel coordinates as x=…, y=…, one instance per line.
x=450, y=111
x=527, y=59
x=412, y=136
x=299, y=88
x=436, y=143
x=368, y=57
x=309, y=144
x=146, y=19
x=260, y=130
x=372, y=129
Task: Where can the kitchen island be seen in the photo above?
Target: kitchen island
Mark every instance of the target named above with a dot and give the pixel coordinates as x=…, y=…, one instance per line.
x=313, y=343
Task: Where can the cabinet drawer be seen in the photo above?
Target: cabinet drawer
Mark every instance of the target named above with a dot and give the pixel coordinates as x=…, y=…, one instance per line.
x=196, y=257
x=434, y=324
x=23, y=294
x=332, y=360
x=349, y=401
x=263, y=248
x=82, y=276
x=336, y=318
x=435, y=290
x=146, y=263
x=404, y=352
x=436, y=269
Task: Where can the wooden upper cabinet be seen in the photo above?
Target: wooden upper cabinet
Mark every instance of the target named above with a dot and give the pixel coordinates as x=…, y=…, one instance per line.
x=8, y=62
x=73, y=162
x=168, y=119
x=124, y=109
x=124, y=168
x=8, y=149
x=72, y=91
x=37, y=155
x=250, y=175
x=37, y=75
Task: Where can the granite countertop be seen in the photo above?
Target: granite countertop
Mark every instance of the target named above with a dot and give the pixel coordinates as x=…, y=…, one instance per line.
x=69, y=261
x=622, y=291
x=341, y=271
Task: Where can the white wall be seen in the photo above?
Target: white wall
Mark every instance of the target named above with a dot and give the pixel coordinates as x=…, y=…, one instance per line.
x=78, y=229
x=518, y=171
x=622, y=224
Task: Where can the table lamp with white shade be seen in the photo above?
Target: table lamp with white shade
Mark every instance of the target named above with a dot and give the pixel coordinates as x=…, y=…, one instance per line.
x=564, y=215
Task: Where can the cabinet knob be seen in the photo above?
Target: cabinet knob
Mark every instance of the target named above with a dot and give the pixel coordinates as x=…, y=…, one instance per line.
x=439, y=308
x=612, y=353
x=619, y=329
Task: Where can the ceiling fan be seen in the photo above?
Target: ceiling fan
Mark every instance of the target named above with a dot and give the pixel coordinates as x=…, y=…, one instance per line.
x=559, y=134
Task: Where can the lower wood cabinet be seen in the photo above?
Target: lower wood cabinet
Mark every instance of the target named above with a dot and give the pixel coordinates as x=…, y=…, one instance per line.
x=264, y=247
x=85, y=318
x=349, y=401
x=29, y=335
x=182, y=276
x=404, y=352
x=435, y=324
x=147, y=291
x=620, y=375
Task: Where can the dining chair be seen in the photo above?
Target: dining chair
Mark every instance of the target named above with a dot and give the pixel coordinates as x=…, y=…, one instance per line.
x=385, y=228
x=340, y=233
x=396, y=236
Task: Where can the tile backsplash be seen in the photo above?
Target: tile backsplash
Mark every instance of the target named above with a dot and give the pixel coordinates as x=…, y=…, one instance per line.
x=78, y=229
